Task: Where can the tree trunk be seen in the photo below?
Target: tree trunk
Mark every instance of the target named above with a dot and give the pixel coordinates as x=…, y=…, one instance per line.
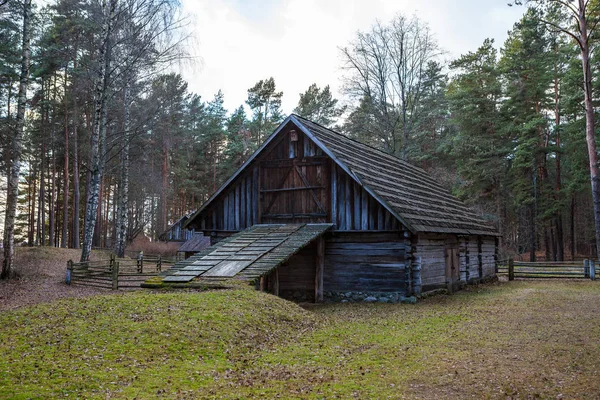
x=547, y=241
x=532, y=233
x=42, y=192
x=76, y=193
x=99, y=130
x=589, y=119
x=33, y=182
x=560, y=245
x=123, y=194
x=16, y=150
x=57, y=211
x=162, y=226
x=52, y=204
x=573, y=227
x=65, y=223
x=96, y=239
x=106, y=212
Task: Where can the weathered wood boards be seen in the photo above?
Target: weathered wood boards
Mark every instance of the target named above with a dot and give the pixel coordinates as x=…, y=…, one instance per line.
x=548, y=269
x=249, y=254
x=359, y=262
x=476, y=258
x=305, y=173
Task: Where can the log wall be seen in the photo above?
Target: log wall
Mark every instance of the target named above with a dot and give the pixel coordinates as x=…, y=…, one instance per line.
x=431, y=249
x=488, y=256
x=476, y=254
x=365, y=262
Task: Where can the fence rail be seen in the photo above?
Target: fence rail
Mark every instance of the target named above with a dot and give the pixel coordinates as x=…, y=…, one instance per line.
x=115, y=273
x=586, y=269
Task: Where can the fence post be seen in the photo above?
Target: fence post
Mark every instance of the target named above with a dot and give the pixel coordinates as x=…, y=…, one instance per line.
x=140, y=262
x=111, y=263
x=69, y=271
x=592, y=270
x=586, y=268
x=159, y=264
x=115, y=276
x=511, y=269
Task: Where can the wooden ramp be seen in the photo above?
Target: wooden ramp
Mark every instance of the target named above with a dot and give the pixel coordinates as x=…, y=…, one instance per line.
x=247, y=255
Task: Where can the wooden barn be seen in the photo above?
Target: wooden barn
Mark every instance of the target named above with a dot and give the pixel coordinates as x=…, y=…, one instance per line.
x=176, y=232
x=313, y=214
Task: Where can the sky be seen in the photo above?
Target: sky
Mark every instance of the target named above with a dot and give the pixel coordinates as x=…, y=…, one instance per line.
x=236, y=43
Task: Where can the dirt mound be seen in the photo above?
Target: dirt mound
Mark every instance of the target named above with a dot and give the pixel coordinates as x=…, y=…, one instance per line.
x=142, y=344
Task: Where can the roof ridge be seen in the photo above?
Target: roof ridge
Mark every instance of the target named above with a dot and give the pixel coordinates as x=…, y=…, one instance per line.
x=359, y=142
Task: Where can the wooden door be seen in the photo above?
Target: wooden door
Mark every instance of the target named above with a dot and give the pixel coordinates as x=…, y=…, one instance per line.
x=294, y=191
x=452, y=269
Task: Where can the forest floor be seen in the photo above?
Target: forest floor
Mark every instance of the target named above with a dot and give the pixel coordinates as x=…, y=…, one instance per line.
x=40, y=277
x=503, y=340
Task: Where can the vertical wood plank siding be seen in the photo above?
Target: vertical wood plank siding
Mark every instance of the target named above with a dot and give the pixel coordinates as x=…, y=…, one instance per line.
x=297, y=276
x=357, y=209
x=256, y=196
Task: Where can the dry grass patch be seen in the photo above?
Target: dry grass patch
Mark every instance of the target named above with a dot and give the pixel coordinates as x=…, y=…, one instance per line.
x=40, y=275
x=504, y=340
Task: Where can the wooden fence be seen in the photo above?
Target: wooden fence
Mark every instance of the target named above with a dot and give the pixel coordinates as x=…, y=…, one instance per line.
x=586, y=269
x=116, y=273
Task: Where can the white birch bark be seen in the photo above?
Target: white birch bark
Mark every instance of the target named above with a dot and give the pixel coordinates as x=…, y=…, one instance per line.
x=99, y=129
x=16, y=149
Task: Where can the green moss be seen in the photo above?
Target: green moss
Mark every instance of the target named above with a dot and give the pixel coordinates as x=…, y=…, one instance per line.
x=518, y=339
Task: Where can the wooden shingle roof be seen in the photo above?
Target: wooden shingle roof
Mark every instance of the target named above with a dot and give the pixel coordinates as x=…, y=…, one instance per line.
x=419, y=202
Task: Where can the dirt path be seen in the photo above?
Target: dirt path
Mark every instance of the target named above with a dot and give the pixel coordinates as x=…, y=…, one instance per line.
x=41, y=279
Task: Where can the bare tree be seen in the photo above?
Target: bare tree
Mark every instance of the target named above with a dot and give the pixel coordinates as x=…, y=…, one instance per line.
x=16, y=148
x=387, y=67
x=146, y=43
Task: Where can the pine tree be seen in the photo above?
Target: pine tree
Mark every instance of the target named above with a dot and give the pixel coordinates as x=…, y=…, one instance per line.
x=318, y=105
x=526, y=69
x=265, y=103
x=479, y=146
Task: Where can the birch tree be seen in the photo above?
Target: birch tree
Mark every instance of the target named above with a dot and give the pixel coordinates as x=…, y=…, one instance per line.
x=99, y=127
x=16, y=147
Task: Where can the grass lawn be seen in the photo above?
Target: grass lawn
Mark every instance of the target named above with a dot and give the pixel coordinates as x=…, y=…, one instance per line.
x=518, y=340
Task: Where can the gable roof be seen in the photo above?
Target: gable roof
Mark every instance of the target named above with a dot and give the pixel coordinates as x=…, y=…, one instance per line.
x=408, y=192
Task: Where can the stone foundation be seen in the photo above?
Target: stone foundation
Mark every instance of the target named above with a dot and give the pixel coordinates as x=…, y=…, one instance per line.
x=368, y=297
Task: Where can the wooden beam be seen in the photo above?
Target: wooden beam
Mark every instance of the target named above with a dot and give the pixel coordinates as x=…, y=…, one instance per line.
x=291, y=189
x=290, y=216
x=320, y=266
x=480, y=256
x=276, y=282
x=279, y=163
x=334, y=189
